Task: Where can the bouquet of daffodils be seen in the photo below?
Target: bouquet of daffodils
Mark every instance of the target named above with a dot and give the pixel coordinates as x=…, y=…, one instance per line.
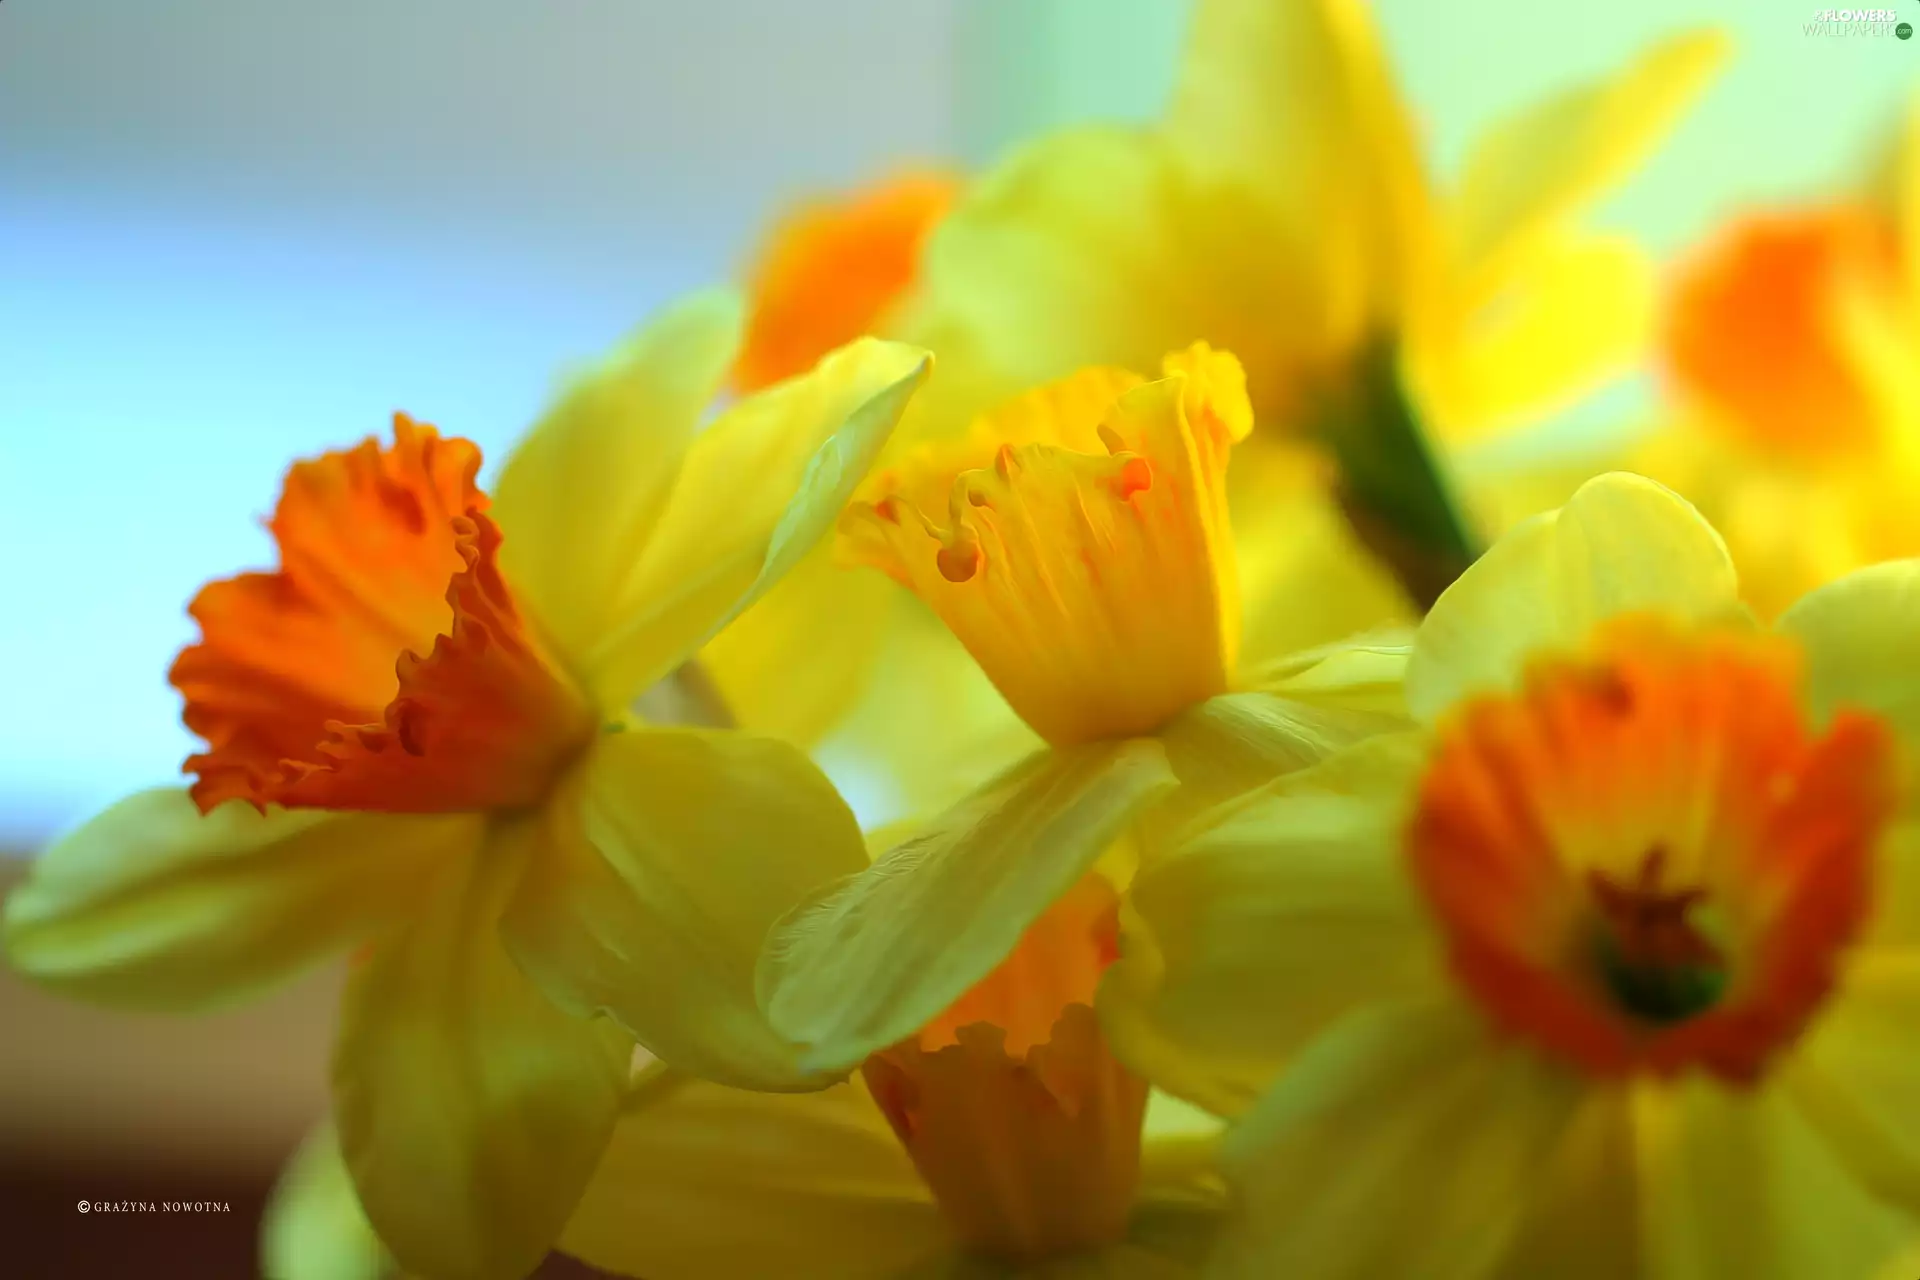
x=1290, y=844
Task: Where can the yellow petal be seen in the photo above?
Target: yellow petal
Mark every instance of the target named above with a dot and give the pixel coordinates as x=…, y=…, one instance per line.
x=1305, y=577
x=1859, y=633
x=1297, y=100
x=869, y=961
x=1857, y=1076
x=1545, y=163
x=1226, y=965
x=1581, y=313
x=760, y=486
x=1581, y=1219
x=581, y=495
x=471, y=1111
x=799, y=661
x=153, y=905
x=1904, y=1265
x=313, y=1227
x=1622, y=544
x=1409, y=1115
x=1236, y=742
x=1738, y=1183
x=701, y=1181
x=659, y=869
x=1096, y=246
x=930, y=727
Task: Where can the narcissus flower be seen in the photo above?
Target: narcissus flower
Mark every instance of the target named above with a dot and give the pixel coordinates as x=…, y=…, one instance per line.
x=1283, y=211
x=1075, y=543
x=999, y=1140
x=1792, y=348
x=1610, y=969
x=419, y=748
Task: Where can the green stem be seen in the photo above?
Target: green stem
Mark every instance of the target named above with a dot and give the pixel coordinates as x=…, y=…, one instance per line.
x=1394, y=488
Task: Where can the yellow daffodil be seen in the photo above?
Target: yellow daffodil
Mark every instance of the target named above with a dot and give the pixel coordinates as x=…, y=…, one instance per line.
x=983, y=1146
x=1609, y=969
x=419, y=749
x=1282, y=210
x=1793, y=353
x=1075, y=542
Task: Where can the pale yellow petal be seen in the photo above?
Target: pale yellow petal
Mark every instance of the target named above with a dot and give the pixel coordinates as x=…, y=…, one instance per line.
x=1860, y=634
x=1096, y=246
x=701, y=1181
x=153, y=905
x=1582, y=1216
x=801, y=659
x=579, y=498
x=1903, y=1265
x=1297, y=101
x=1622, y=544
x=1545, y=163
x=869, y=961
x=759, y=488
x=313, y=1227
x=471, y=1111
x=1236, y=742
x=657, y=872
x=1738, y=1183
x=1403, y=1143
x=1856, y=1076
x=1306, y=579
x=1581, y=313
x=1227, y=959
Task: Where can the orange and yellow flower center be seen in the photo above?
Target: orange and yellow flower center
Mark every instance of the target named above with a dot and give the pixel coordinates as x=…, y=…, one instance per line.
x=309, y=683
x=835, y=270
x=1646, y=859
x=1011, y=1106
x=1084, y=558
x=1764, y=331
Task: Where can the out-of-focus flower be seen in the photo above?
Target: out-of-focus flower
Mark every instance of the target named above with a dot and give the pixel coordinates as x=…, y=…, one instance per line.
x=1283, y=211
x=1611, y=968
x=997, y=1140
x=836, y=269
x=1076, y=543
x=1793, y=351
x=419, y=748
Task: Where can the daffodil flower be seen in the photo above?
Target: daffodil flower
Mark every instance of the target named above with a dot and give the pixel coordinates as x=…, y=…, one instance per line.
x=977, y=1148
x=1611, y=968
x=419, y=749
x=1282, y=211
x=1793, y=414
x=1075, y=543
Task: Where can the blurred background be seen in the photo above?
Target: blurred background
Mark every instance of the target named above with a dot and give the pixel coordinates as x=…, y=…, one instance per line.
x=232, y=233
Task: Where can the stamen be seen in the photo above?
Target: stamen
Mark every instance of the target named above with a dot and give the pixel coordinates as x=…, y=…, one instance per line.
x=1654, y=961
